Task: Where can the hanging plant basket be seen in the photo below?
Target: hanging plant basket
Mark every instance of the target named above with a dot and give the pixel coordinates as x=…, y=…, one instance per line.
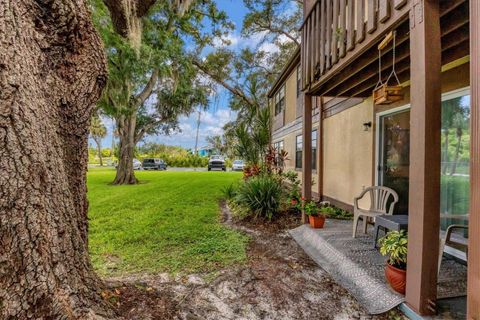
x=383, y=93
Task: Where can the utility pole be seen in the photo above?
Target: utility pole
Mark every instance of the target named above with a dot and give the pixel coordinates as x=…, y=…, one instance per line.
x=199, y=111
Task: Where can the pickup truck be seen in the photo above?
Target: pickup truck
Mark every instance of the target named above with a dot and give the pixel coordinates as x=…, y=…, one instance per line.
x=216, y=162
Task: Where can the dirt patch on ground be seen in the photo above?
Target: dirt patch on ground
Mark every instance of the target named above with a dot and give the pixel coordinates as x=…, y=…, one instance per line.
x=279, y=281
x=137, y=300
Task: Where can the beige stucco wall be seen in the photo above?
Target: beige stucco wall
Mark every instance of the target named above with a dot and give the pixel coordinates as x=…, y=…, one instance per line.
x=291, y=97
x=348, y=152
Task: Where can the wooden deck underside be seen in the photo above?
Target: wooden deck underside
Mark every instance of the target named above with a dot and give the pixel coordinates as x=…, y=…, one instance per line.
x=358, y=77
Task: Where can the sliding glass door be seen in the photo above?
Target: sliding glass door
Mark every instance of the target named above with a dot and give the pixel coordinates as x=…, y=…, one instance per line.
x=394, y=154
x=455, y=165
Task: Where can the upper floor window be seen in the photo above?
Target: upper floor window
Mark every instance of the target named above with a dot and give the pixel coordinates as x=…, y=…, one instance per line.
x=279, y=100
x=299, y=80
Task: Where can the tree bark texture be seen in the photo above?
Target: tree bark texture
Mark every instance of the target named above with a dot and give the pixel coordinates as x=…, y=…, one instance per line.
x=122, y=12
x=126, y=132
x=52, y=71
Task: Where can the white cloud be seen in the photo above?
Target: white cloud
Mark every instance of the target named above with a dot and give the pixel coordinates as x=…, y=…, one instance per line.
x=211, y=123
x=235, y=40
x=219, y=118
x=255, y=39
x=269, y=47
x=230, y=40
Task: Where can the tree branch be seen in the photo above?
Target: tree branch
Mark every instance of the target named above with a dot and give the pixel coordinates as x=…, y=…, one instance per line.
x=146, y=128
x=273, y=29
x=223, y=83
x=147, y=91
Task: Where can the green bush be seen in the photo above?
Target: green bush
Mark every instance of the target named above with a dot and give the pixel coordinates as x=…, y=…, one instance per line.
x=261, y=194
x=455, y=194
x=179, y=160
x=230, y=191
x=336, y=213
x=327, y=211
x=238, y=211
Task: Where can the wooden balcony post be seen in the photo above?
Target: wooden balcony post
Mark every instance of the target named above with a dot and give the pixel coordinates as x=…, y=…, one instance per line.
x=307, y=151
x=473, y=293
x=424, y=188
x=320, y=150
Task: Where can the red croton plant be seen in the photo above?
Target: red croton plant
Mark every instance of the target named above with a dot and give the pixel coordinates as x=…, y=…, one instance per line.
x=274, y=162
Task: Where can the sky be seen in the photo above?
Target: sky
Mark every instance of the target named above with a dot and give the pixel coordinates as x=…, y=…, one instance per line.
x=218, y=113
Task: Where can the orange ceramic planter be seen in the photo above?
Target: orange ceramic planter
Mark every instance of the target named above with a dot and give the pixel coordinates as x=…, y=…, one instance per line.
x=397, y=278
x=316, y=222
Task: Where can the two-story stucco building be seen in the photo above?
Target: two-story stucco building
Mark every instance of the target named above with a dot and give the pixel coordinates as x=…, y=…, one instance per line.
x=424, y=144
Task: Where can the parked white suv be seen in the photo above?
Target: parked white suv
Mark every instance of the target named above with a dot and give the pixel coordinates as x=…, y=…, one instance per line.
x=238, y=165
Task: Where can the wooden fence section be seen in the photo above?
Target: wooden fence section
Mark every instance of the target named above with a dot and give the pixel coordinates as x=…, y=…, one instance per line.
x=335, y=32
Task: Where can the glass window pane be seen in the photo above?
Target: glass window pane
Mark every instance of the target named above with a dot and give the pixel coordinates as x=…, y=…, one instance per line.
x=298, y=159
x=298, y=153
x=299, y=144
x=455, y=165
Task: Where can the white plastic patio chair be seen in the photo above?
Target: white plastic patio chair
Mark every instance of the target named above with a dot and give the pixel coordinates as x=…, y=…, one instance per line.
x=379, y=197
x=448, y=240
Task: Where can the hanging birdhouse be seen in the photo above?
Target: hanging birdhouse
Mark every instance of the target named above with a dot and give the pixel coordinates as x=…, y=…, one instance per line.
x=384, y=93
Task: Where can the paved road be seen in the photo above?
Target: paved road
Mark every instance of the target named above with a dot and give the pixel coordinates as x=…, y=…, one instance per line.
x=168, y=169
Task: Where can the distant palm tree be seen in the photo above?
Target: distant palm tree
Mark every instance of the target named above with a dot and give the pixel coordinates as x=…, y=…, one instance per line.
x=98, y=131
x=253, y=139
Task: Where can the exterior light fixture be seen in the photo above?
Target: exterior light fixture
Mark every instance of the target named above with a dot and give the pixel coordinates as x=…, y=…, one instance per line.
x=367, y=125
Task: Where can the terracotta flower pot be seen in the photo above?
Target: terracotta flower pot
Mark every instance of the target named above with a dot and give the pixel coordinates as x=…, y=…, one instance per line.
x=316, y=222
x=397, y=278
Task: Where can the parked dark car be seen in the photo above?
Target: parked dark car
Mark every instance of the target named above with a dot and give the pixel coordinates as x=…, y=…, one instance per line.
x=216, y=162
x=154, y=164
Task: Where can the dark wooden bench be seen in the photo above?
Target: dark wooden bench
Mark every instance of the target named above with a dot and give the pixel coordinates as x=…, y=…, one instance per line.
x=390, y=222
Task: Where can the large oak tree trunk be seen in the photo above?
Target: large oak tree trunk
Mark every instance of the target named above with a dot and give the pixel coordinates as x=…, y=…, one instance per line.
x=126, y=132
x=52, y=70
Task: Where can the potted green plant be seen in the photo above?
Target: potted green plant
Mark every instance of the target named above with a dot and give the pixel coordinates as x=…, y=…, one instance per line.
x=311, y=209
x=394, y=246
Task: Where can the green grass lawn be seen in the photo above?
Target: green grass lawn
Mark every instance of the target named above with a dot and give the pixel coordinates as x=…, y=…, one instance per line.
x=168, y=223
